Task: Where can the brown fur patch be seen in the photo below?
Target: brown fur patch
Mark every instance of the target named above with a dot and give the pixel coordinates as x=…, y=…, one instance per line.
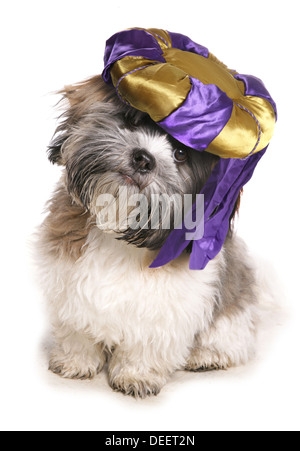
x=66, y=227
x=82, y=95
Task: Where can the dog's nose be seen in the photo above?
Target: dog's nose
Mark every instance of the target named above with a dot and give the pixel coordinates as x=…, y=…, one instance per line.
x=143, y=161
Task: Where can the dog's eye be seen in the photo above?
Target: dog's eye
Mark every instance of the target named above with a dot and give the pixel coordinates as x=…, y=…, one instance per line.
x=180, y=155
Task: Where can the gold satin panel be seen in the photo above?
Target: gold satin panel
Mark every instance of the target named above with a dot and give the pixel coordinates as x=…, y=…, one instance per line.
x=158, y=89
x=126, y=65
x=207, y=70
x=240, y=135
x=161, y=88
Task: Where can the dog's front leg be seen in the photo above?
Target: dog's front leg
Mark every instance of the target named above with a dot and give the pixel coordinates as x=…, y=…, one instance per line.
x=75, y=355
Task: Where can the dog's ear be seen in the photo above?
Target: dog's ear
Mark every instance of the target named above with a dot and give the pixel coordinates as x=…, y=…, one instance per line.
x=77, y=99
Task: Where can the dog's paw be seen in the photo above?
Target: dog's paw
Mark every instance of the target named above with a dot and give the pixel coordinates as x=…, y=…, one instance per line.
x=202, y=360
x=75, y=366
x=139, y=386
x=70, y=370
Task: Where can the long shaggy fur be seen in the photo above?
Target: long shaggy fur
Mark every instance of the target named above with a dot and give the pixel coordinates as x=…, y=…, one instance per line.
x=106, y=305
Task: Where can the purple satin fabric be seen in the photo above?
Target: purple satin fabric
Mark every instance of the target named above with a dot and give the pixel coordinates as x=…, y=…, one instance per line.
x=182, y=42
x=196, y=123
x=201, y=117
x=130, y=43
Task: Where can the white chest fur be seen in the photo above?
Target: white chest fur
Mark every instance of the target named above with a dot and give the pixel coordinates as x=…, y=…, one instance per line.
x=111, y=293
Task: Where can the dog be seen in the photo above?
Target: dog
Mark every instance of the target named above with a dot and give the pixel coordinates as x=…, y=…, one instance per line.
x=107, y=307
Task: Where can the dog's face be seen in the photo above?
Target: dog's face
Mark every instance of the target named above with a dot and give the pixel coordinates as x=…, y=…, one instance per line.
x=105, y=145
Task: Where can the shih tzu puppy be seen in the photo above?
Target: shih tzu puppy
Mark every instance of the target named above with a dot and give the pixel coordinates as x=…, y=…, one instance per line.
x=107, y=303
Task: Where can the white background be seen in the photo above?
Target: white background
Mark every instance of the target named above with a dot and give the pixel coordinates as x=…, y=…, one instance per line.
x=46, y=44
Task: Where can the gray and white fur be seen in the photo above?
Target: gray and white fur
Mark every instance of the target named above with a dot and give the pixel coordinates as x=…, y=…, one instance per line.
x=105, y=303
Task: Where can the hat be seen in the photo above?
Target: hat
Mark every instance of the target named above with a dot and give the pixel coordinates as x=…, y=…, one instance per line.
x=200, y=102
